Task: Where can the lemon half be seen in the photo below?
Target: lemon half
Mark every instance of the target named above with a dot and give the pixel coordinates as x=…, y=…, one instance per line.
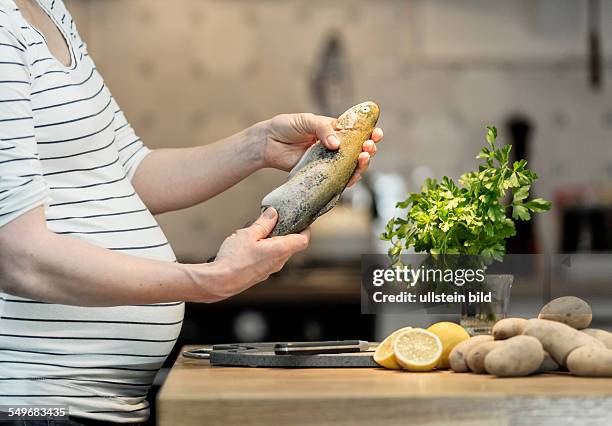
x=450, y=335
x=417, y=349
x=384, y=355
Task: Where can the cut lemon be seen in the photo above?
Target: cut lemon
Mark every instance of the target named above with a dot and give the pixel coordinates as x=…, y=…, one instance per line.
x=417, y=350
x=384, y=355
x=450, y=334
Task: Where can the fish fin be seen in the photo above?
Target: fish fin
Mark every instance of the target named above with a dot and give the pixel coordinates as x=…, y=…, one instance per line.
x=269, y=199
x=327, y=207
x=304, y=160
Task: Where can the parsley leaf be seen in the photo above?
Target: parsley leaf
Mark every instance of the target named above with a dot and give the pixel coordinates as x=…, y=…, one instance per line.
x=473, y=217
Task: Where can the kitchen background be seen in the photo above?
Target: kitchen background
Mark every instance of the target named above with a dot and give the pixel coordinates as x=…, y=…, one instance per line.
x=189, y=72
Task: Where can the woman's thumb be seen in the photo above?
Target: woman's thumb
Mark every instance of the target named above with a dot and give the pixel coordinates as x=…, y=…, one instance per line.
x=262, y=227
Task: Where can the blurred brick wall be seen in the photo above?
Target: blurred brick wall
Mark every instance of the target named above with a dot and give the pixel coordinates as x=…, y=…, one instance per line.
x=188, y=72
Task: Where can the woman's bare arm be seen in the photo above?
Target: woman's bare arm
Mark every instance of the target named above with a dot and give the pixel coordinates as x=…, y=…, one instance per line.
x=172, y=179
x=38, y=264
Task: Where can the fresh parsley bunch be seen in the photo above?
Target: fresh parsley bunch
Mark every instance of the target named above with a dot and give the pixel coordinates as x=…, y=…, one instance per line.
x=474, y=218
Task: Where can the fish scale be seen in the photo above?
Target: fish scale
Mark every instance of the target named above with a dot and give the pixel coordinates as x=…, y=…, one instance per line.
x=317, y=181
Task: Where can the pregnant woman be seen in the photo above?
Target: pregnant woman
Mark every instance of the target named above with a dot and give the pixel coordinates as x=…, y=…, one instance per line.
x=91, y=296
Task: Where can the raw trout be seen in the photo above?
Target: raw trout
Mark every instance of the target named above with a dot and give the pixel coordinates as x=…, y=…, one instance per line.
x=316, y=182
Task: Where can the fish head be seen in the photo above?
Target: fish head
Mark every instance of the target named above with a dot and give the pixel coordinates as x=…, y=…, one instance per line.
x=361, y=116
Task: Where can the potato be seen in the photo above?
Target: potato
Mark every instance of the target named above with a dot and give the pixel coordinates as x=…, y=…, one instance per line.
x=475, y=358
x=558, y=339
x=518, y=356
x=603, y=336
x=508, y=327
x=590, y=361
x=569, y=310
x=459, y=352
x=548, y=364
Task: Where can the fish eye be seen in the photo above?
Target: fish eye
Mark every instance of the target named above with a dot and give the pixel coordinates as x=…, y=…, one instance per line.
x=365, y=109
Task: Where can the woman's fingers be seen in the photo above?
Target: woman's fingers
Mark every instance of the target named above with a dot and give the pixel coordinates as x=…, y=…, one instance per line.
x=370, y=147
x=322, y=127
x=369, y=151
x=363, y=162
x=287, y=245
x=377, y=135
x=354, y=179
x=263, y=225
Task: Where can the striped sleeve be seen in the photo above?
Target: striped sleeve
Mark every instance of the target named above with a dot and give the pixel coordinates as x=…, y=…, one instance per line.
x=131, y=149
x=22, y=186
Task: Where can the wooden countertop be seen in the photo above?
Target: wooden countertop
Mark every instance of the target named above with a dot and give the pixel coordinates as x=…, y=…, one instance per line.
x=197, y=394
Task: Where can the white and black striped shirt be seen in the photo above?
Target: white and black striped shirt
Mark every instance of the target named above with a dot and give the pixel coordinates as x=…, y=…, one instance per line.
x=65, y=144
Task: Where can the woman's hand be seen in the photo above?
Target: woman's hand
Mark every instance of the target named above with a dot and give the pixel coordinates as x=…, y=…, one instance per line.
x=247, y=257
x=288, y=136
